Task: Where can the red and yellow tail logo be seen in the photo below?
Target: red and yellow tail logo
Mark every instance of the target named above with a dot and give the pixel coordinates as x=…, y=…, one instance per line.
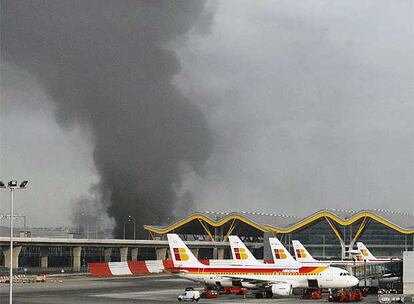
x=280, y=254
x=364, y=252
x=240, y=253
x=301, y=253
x=180, y=255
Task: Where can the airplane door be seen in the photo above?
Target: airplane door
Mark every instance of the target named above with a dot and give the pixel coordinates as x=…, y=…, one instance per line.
x=313, y=283
x=329, y=276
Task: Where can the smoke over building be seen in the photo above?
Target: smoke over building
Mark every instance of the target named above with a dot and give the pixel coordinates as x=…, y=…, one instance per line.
x=108, y=67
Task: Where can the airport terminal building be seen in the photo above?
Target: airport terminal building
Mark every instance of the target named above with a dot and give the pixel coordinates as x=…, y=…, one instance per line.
x=327, y=234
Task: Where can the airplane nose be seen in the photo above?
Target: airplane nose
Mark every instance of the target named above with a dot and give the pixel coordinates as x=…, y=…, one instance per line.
x=354, y=281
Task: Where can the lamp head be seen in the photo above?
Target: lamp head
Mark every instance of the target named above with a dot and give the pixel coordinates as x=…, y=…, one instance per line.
x=13, y=184
x=2, y=185
x=23, y=184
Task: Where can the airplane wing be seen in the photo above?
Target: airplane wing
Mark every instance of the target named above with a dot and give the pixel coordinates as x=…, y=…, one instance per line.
x=256, y=281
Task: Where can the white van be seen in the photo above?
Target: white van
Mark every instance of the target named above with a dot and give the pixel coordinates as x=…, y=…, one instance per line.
x=189, y=295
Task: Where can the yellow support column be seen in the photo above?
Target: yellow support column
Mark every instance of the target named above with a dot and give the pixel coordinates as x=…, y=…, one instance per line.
x=206, y=230
x=338, y=235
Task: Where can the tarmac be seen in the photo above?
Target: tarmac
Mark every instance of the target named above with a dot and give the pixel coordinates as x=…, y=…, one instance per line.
x=148, y=289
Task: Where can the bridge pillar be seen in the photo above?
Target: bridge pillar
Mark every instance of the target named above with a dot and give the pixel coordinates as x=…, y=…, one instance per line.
x=134, y=254
x=16, y=253
x=195, y=252
x=44, y=257
x=161, y=253
x=123, y=251
x=220, y=253
x=76, y=258
x=107, y=254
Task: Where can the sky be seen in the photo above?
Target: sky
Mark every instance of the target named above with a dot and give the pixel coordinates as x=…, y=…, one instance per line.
x=310, y=105
x=57, y=162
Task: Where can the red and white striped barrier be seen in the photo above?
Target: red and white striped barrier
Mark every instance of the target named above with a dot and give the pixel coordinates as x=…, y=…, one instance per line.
x=108, y=269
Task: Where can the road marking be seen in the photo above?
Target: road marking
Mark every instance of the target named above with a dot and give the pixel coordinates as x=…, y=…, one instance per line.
x=140, y=294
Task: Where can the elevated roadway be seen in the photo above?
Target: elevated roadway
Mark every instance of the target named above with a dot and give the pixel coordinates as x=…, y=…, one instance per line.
x=126, y=248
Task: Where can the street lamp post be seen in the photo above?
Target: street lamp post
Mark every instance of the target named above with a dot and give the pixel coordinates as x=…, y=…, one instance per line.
x=83, y=214
x=12, y=185
x=129, y=219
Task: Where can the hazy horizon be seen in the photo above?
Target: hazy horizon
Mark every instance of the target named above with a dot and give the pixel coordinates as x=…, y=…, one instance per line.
x=270, y=106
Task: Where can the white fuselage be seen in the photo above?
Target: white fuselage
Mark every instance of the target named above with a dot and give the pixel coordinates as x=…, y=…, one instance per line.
x=327, y=277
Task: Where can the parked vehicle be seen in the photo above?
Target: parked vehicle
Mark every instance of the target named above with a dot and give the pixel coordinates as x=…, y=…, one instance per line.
x=312, y=294
x=189, y=295
x=345, y=295
x=210, y=293
x=234, y=290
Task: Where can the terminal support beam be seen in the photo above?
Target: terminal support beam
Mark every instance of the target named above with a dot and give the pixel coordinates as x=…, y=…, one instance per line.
x=338, y=235
x=107, y=254
x=220, y=253
x=76, y=255
x=161, y=253
x=274, y=233
x=16, y=253
x=134, y=254
x=195, y=252
x=44, y=257
x=359, y=232
x=231, y=228
x=123, y=251
x=206, y=229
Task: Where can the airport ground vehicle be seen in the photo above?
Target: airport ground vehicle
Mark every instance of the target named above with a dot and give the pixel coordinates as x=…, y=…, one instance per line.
x=265, y=279
x=312, y=294
x=209, y=293
x=189, y=295
x=234, y=290
x=345, y=295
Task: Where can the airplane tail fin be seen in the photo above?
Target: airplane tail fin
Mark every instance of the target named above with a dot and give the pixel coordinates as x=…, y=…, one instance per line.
x=356, y=255
x=279, y=252
x=180, y=254
x=301, y=254
x=241, y=253
x=365, y=252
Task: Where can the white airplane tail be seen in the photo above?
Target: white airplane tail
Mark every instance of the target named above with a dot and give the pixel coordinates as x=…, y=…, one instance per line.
x=240, y=252
x=356, y=255
x=302, y=255
x=180, y=254
x=365, y=252
x=279, y=252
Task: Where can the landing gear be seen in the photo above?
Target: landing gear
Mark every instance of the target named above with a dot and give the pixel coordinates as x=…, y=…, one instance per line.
x=269, y=294
x=258, y=295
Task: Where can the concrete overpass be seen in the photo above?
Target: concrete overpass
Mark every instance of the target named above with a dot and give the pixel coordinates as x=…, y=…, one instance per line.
x=107, y=245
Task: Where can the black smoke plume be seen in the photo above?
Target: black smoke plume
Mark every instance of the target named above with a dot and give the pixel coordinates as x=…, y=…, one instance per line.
x=108, y=67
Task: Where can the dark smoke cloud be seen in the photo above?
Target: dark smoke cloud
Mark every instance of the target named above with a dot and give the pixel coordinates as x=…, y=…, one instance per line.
x=108, y=67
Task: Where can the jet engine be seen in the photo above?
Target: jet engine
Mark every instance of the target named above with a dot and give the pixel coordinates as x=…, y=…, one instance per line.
x=219, y=282
x=282, y=289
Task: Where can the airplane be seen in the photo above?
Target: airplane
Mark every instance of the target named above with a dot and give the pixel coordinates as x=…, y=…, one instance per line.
x=369, y=258
x=265, y=279
x=243, y=256
x=279, y=252
x=302, y=255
